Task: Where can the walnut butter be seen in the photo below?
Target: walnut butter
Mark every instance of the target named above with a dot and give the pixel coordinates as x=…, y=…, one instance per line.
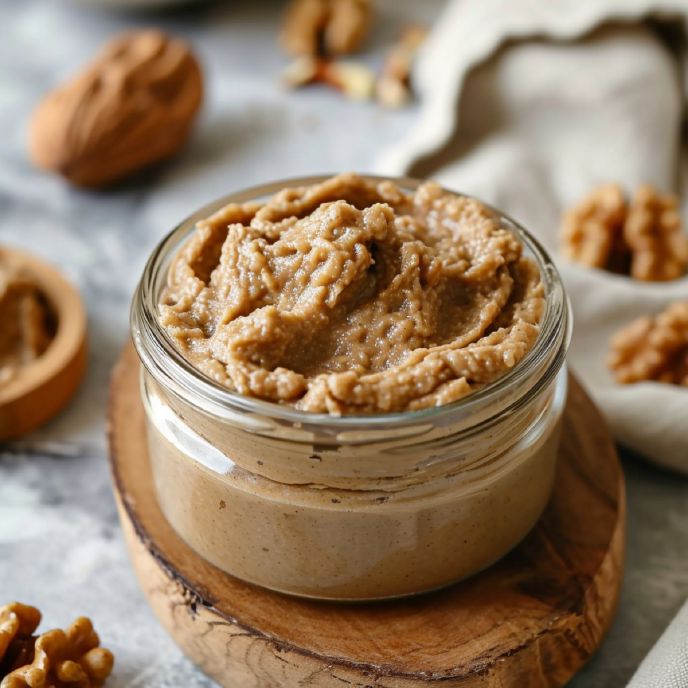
x=353, y=386
x=354, y=297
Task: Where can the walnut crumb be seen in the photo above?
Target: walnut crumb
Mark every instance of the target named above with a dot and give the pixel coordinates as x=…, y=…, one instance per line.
x=642, y=238
x=325, y=27
x=55, y=659
x=653, y=348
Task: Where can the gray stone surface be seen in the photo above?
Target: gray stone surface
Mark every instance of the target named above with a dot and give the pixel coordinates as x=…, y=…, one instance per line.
x=60, y=544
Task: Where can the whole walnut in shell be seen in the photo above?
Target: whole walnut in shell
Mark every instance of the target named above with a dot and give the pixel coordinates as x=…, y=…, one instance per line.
x=132, y=106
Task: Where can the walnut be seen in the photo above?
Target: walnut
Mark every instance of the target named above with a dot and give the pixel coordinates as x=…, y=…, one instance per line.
x=325, y=27
x=592, y=231
x=643, y=238
x=653, y=348
x=393, y=88
x=654, y=235
x=55, y=659
x=131, y=107
x=17, y=625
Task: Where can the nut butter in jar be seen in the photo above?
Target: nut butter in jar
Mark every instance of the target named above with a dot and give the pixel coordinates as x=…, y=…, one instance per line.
x=303, y=476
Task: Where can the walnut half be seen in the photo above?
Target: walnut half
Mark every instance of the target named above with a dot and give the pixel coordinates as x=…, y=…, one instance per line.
x=654, y=236
x=592, y=231
x=653, y=348
x=55, y=659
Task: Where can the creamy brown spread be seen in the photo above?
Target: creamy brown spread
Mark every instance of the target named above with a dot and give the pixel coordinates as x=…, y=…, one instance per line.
x=26, y=319
x=351, y=296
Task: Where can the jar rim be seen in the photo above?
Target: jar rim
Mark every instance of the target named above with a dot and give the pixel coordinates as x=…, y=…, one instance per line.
x=161, y=358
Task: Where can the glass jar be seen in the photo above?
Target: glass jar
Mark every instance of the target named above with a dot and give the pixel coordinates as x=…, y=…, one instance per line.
x=352, y=507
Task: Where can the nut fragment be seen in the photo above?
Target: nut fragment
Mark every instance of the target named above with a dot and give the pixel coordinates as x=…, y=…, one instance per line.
x=329, y=27
x=653, y=348
x=353, y=79
x=654, y=235
x=643, y=239
x=55, y=659
x=131, y=107
x=393, y=88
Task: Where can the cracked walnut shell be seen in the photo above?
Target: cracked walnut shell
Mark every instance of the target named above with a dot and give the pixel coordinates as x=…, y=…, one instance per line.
x=132, y=106
x=330, y=27
x=642, y=238
x=653, y=348
x=55, y=659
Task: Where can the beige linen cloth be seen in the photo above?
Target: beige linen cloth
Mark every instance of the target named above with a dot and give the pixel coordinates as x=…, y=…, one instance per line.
x=529, y=104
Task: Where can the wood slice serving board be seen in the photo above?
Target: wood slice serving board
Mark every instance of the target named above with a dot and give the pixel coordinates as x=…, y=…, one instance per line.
x=532, y=620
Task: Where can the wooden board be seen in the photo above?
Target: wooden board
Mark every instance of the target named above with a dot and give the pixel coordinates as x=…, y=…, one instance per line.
x=532, y=620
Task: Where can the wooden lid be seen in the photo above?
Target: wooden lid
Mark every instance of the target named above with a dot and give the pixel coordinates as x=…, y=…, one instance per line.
x=42, y=388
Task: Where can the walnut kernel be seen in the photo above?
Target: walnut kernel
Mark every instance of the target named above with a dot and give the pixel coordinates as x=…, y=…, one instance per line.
x=17, y=625
x=654, y=235
x=653, y=348
x=55, y=659
x=592, y=231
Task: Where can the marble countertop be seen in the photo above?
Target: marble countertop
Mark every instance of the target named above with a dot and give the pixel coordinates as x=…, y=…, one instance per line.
x=60, y=543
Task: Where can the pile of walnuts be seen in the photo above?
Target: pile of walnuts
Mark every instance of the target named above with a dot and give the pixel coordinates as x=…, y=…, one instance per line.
x=54, y=659
x=641, y=237
x=318, y=32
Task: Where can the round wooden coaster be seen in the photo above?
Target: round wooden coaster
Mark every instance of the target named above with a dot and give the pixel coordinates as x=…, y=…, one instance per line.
x=41, y=389
x=533, y=619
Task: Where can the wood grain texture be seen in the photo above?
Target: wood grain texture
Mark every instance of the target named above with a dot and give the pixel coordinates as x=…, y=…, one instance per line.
x=531, y=620
x=45, y=386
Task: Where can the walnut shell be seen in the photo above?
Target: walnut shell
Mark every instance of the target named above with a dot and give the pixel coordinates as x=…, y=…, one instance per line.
x=132, y=106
